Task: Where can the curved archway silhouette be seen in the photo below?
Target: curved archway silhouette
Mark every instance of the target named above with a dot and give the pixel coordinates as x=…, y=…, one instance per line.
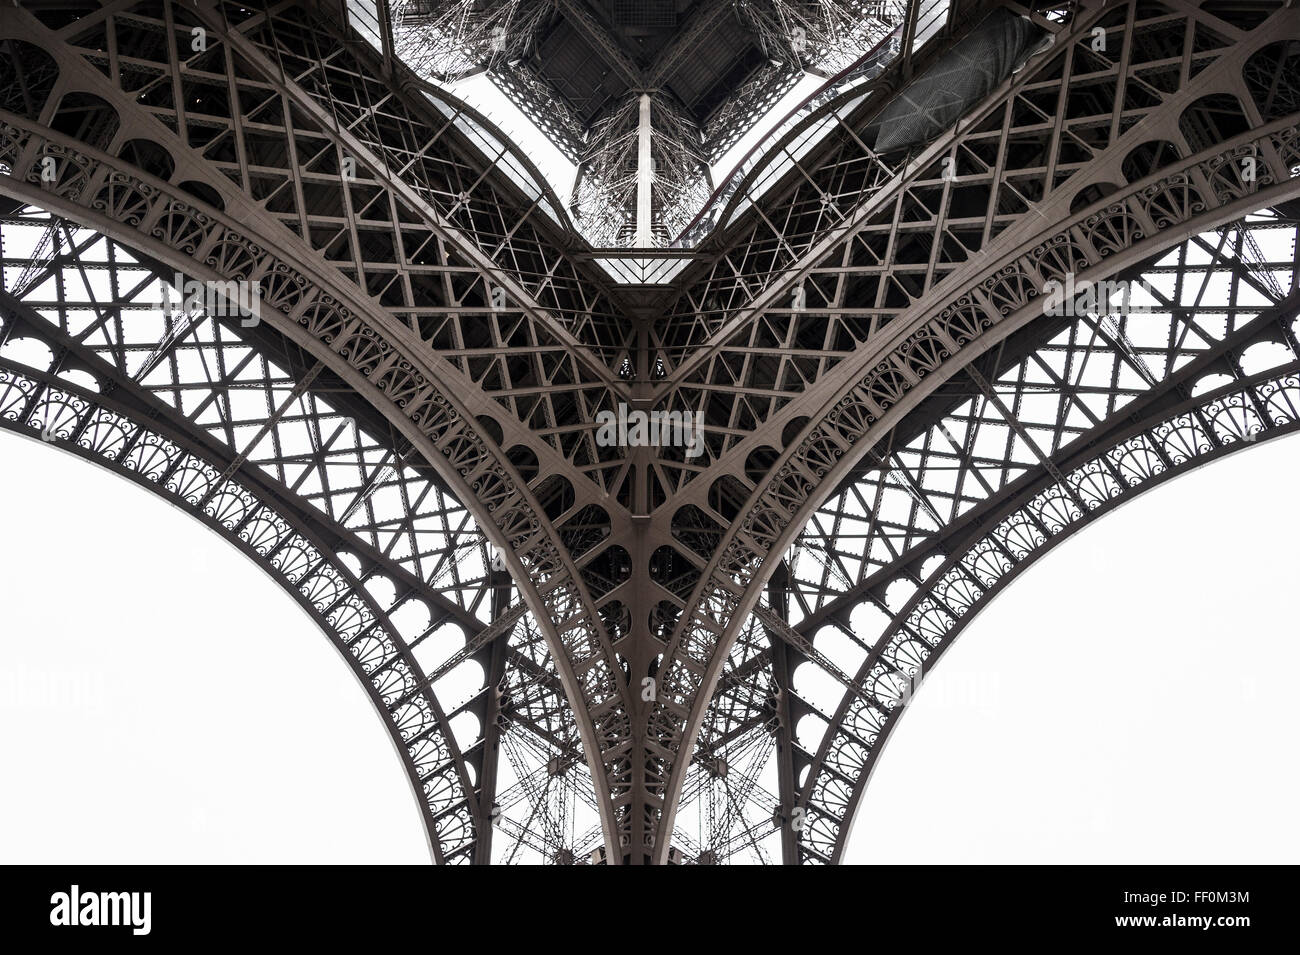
x=112, y=416
x=170, y=704
x=1122, y=761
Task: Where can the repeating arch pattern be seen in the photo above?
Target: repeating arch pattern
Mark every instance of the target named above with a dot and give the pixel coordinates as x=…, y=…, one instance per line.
x=1091, y=247
x=1036, y=413
x=243, y=413
x=1051, y=439
x=379, y=218
x=1230, y=418
x=97, y=429
x=209, y=239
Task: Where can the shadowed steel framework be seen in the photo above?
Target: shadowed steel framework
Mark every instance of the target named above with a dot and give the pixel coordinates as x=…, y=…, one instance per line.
x=595, y=651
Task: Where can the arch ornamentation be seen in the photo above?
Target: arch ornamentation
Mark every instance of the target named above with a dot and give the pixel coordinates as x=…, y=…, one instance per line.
x=651, y=639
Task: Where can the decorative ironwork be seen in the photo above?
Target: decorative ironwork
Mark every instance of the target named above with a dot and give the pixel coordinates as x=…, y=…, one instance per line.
x=637, y=651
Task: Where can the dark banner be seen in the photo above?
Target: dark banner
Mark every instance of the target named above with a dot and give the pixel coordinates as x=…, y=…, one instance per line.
x=138, y=906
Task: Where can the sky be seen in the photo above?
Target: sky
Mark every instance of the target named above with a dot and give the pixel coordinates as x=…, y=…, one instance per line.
x=162, y=701
x=1127, y=700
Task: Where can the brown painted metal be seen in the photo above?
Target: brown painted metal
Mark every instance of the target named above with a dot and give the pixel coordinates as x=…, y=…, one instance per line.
x=434, y=321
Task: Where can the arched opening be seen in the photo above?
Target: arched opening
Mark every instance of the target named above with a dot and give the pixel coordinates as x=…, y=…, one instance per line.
x=1148, y=158
x=1212, y=120
x=27, y=77
x=148, y=156
x=204, y=193
x=163, y=701
x=1115, y=699
x=87, y=118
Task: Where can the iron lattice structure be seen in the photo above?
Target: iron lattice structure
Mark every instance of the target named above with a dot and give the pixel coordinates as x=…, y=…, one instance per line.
x=593, y=119
x=605, y=195
x=591, y=653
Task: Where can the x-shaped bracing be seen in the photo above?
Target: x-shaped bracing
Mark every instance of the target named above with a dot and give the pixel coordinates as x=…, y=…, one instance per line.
x=397, y=252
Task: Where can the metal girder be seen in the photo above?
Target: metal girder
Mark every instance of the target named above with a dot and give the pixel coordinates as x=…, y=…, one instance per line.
x=1226, y=420
x=596, y=34
x=872, y=434
x=132, y=428
x=823, y=427
x=783, y=678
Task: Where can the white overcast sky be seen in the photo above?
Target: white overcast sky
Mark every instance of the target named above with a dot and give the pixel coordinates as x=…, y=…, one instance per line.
x=1130, y=699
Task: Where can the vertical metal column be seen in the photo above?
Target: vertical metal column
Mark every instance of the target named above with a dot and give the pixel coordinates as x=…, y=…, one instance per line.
x=644, y=172
x=499, y=580
x=778, y=598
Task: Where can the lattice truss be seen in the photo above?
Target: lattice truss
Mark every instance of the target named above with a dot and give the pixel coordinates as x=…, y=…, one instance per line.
x=449, y=41
x=97, y=357
x=605, y=194
x=101, y=355
x=1032, y=442
x=827, y=265
x=396, y=565
x=893, y=425
x=453, y=40
x=824, y=39
x=1035, y=442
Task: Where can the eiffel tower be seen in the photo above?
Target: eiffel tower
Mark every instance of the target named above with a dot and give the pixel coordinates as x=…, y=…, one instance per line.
x=838, y=251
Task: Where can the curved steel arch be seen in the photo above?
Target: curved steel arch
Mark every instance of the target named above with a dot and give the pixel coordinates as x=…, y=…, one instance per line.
x=1153, y=429
x=941, y=521
x=636, y=562
x=134, y=444
x=188, y=380
x=239, y=427
x=1157, y=450
x=155, y=217
x=913, y=362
